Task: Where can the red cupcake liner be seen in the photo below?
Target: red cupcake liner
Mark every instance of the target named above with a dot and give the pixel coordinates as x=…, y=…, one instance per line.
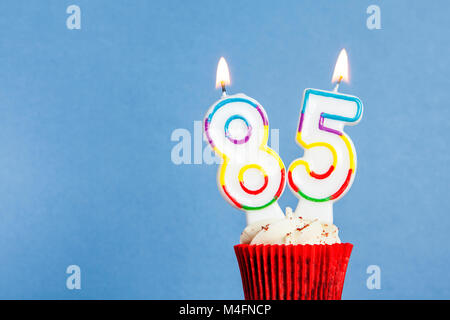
x=293, y=272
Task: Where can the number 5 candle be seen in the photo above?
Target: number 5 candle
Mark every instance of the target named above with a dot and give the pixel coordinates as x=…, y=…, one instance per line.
x=252, y=176
x=327, y=169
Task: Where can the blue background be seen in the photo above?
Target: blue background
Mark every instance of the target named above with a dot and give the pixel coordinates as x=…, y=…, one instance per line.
x=86, y=117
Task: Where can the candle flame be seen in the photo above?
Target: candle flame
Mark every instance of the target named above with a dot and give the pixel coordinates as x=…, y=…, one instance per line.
x=223, y=73
x=341, y=69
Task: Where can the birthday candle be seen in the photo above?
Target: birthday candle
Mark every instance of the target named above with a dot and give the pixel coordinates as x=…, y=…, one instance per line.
x=252, y=176
x=327, y=170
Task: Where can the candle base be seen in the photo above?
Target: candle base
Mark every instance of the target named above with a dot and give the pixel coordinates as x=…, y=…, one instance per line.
x=271, y=212
x=315, y=210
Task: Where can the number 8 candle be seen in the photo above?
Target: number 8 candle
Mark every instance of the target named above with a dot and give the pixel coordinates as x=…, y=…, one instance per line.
x=252, y=176
x=327, y=169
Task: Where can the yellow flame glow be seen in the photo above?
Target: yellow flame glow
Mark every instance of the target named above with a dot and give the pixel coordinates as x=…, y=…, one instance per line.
x=223, y=73
x=341, y=69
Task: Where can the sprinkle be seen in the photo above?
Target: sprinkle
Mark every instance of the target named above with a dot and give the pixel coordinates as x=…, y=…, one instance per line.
x=265, y=228
x=305, y=226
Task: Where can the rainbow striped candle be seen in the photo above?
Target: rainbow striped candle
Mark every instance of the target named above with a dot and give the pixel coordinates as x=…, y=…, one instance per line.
x=327, y=169
x=252, y=176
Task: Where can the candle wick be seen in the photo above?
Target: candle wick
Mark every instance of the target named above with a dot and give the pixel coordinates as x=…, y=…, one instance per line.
x=337, y=84
x=224, y=90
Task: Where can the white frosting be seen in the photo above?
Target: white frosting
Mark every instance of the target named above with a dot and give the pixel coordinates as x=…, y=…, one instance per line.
x=290, y=230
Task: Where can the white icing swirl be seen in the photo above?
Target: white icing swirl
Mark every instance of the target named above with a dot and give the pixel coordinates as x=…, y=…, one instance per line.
x=290, y=230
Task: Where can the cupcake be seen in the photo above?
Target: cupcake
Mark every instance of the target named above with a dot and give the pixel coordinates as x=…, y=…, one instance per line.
x=292, y=259
x=286, y=256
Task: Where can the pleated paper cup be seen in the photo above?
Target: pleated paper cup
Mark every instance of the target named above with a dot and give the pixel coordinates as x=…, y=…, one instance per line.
x=293, y=272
